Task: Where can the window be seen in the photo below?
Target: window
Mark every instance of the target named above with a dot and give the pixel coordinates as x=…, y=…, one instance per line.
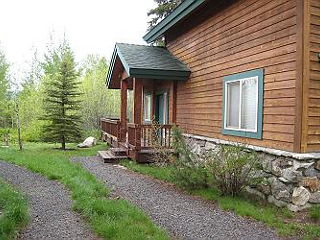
x=147, y=101
x=162, y=108
x=242, y=104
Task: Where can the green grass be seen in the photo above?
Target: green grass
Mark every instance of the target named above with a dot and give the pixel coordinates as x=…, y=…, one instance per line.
x=111, y=219
x=14, y=211
x=315, y=212
x=279, y=218
x=161, y=173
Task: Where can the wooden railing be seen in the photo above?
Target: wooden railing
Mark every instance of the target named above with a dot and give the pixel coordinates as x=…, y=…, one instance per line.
x=145, y=136
x=111, y=126
x=134, y=136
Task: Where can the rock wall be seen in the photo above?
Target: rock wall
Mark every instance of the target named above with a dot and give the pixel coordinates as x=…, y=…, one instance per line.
x=290, y=180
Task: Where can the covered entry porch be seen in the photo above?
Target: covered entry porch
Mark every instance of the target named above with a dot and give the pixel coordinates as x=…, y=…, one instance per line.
x=152, y=74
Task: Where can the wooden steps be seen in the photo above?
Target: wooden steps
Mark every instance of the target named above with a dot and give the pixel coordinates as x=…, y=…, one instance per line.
x=119, y=151
x=110, y=157
x=123, y=152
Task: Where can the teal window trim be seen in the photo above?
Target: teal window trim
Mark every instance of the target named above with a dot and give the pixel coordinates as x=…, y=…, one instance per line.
x=164, y=92
x=242, y=133
x=168, y=110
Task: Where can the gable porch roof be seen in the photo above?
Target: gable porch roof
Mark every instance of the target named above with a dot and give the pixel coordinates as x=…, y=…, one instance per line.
x=147, y=62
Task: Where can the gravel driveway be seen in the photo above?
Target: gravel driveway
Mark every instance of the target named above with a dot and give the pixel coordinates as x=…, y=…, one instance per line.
x=50, y=206
x=183, y=216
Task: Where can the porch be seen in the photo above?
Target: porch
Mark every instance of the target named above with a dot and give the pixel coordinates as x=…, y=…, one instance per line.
x=151, y=75
x=135, y=141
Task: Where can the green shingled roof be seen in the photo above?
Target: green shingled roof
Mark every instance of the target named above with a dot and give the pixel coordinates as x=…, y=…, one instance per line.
x=148, y=62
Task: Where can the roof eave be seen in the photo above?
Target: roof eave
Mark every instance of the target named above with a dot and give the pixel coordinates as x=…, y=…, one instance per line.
x=116, y=53
x=111, y=67
x=179, y=13
x=159, y=74
x=146, y=73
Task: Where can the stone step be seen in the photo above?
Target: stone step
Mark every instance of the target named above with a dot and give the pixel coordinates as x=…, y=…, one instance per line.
x=119, y=151
x=108, y=157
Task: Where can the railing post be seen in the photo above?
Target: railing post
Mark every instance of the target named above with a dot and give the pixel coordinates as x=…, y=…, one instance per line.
x=137, y=136
x=118, y=130
x=123, y=119
x=101, y=125
x=137, y=102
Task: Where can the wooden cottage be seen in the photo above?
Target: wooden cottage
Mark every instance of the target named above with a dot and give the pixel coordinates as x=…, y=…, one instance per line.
x=245, y=71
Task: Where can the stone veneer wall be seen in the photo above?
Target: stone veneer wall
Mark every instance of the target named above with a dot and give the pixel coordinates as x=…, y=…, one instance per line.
x=291, y=180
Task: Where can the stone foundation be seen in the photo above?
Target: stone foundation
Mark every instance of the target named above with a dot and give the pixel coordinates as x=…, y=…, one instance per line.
x=290, y=180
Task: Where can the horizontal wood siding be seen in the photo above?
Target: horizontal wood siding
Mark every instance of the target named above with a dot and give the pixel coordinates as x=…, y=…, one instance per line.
x=313, y=139
x=245, y=35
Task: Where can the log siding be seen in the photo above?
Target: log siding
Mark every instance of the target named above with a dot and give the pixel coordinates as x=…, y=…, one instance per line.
x=241, y=36
x=313, y=31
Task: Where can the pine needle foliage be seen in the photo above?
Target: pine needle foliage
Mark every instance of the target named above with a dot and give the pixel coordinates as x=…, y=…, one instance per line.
x=61, y=101
x=164, y=8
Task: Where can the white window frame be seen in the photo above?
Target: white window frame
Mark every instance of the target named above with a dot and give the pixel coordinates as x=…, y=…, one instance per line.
x=256, y=78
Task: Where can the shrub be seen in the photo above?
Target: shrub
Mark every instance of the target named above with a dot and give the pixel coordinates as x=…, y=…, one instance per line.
x=232, y=168
x=96, y=133
x=191, y=177
x=32, y=132
x=161, y=155
x=190, y=174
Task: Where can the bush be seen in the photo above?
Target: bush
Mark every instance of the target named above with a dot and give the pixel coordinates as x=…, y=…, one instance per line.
x=232, y=168
x=32, y=133
x=190, y=174
x=161, y=155
x=96, y=133
x=190, y=177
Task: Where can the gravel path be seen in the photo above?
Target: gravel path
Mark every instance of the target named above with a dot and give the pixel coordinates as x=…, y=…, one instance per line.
x=50, y=206
x=183, y=216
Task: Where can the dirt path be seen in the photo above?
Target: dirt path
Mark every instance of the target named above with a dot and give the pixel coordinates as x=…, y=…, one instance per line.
x=184, y=217
x=50, y=206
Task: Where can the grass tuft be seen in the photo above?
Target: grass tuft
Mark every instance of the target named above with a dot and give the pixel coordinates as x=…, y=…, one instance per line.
x=111, y=219
x=14, y=211
x=315, y=212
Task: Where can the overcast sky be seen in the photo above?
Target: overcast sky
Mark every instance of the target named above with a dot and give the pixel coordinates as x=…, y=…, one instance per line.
x=92, y=26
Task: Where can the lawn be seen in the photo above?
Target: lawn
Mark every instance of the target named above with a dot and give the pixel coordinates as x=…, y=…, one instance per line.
x=111, y=219
x=13, y=211
x=282, y=219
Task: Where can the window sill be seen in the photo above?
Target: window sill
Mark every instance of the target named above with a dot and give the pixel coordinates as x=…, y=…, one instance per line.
x=247, y=134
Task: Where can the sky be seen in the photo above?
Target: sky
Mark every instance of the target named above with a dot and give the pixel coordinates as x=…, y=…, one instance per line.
x=91, y=26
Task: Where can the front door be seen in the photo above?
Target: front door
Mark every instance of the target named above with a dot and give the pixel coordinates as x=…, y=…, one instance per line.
x=162, y=108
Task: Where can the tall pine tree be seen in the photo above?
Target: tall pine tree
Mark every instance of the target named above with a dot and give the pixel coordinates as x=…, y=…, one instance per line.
x=164, y=8
x=61, y=101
